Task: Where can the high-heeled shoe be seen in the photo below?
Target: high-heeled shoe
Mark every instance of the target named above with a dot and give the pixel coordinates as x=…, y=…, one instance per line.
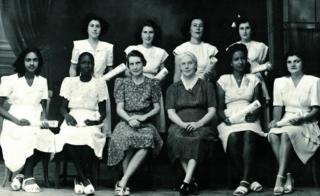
x=279, y=190
x=288, y=186
x=89, y=189
x=118, y=190
x=78, y=187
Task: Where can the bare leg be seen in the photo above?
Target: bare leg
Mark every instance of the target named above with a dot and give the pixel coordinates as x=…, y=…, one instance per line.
x=127, y=159
x=184, y=164
x=275, y=141
x=190, y=169
x=134, y=163
x=248, y=154
x=284, y=155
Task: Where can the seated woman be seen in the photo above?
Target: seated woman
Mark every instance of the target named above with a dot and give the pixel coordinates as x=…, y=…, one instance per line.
x=137, y=99
x=236, y=91
x=191, y=106
x=84, y=109
x=23, y=142
x=296, y=131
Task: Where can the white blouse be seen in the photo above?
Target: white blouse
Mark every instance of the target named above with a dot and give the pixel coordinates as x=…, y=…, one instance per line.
x=103, y=54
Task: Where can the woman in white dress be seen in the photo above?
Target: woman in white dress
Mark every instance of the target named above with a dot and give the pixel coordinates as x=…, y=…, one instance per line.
x=83, y=108
x=23, y=141
x=297, y=131
x=235, y=92
x=204, y=52
x=94, y=27
x=149, y=34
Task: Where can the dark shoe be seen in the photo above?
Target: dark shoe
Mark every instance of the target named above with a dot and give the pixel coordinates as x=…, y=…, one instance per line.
x=184, y=189
x=194, y=188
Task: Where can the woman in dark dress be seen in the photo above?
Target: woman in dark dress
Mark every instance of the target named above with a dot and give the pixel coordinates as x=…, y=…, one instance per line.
x=191, y=106
x=137, y=99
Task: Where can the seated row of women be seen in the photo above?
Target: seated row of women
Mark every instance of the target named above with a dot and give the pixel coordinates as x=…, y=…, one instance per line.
x=190, y=103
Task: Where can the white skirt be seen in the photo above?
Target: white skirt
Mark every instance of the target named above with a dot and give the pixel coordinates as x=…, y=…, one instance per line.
x=81, y=134
x=18, y=142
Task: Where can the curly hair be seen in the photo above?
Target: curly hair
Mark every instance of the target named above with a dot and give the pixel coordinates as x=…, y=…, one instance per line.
x=88, y=18
x=234, y=48
x=156, y=29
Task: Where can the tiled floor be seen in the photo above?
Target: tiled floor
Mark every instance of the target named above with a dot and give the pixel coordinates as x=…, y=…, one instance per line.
x=106, y=191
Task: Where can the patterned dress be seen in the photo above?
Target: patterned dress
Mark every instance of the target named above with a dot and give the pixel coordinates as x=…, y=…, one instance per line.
x=154, y=56
x=236, y=99
x=19, y=142
x=191, y=106
x=298, y=100
x=138, y=100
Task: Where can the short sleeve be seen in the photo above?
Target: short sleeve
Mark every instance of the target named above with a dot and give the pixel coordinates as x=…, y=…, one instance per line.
x=263, y=53
x=75, y=53
x=129, y=49
x=45, y=89
x=171, y=97
x=6, y=86
x=119, y=90
x=223, y=82
x=103, y=93
x=315, y=93
x=155, y=91
x=255, y=79
x=164, y=56
x=277, y=98
x=109, y=60
x=211, y=95
x=65, y=90
x=178, y=50
x=213, y=51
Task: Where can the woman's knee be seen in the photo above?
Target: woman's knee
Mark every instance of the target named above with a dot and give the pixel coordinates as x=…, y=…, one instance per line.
x=285, y=137
x=250, y=137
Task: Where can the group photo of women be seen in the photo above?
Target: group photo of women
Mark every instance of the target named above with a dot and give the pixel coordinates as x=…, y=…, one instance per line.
x=147, y=104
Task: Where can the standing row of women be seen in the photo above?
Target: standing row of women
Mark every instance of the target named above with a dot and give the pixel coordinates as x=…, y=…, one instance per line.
x=190, y=103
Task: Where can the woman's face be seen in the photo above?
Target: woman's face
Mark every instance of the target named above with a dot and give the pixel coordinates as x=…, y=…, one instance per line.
x=239, y=61
x=135, y=65
x=196, y=28
x=245, y=31
x=94, y=29
x=188, y=66
x=31, y=62
x=147, y=35
x=294, y=64
x=86, y=65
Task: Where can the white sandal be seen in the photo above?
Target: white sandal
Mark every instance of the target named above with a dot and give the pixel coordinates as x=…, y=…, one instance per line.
x=78, y=187
x=16, y=182
x=256, y=187
x=89, y=189
x=30, y=188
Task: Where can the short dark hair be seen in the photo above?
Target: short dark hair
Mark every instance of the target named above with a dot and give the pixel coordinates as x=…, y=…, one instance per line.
x=88, y=18
x=293, y=52
x=185, y=30
x=234, y=48
x=156, y=29
x=136, y=53
x=81, y=56
x=19, y=66
x=245, y=19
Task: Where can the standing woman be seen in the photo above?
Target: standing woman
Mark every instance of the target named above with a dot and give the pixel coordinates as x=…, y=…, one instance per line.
x=137, y=99
x=191, y=106
x=23, y=143
x=84, y=109
x=94, y=27
x=149, y=34
x=298, y=96
x=236, y=91
x=204, y=52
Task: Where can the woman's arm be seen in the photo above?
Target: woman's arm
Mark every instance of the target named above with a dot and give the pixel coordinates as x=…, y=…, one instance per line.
x=177, y=71
x=7, y=115
x=102, y=112
x=276, y=115
x=44, y=115
x=253, y=116
x=133, y=122
x=173, y=116
x=307, y=118
x=65, y=113
x=73, y=70
x=144, y=117
x=221, y=105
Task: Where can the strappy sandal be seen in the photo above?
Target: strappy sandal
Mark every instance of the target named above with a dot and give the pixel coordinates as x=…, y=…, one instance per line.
x=78, y=187
x=256, y=187
x=118, y=190
x=89, y=189
x=30, y=188
x=16, y=182
x=242, y=189
x=126, y=191
x=288, y=186
x=279, y=190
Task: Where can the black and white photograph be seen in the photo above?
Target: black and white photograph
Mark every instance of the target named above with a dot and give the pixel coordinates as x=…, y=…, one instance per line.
x=159, y=97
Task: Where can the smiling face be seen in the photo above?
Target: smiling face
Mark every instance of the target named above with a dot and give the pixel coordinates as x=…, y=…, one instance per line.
x=239, y=61
x=245, y=31
x=86, y=65
x=135, y=65
x=94, y=29
x=196, y=28
x=31, y=62
x=294, y=64
x=188, y=66
x=147, y=35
